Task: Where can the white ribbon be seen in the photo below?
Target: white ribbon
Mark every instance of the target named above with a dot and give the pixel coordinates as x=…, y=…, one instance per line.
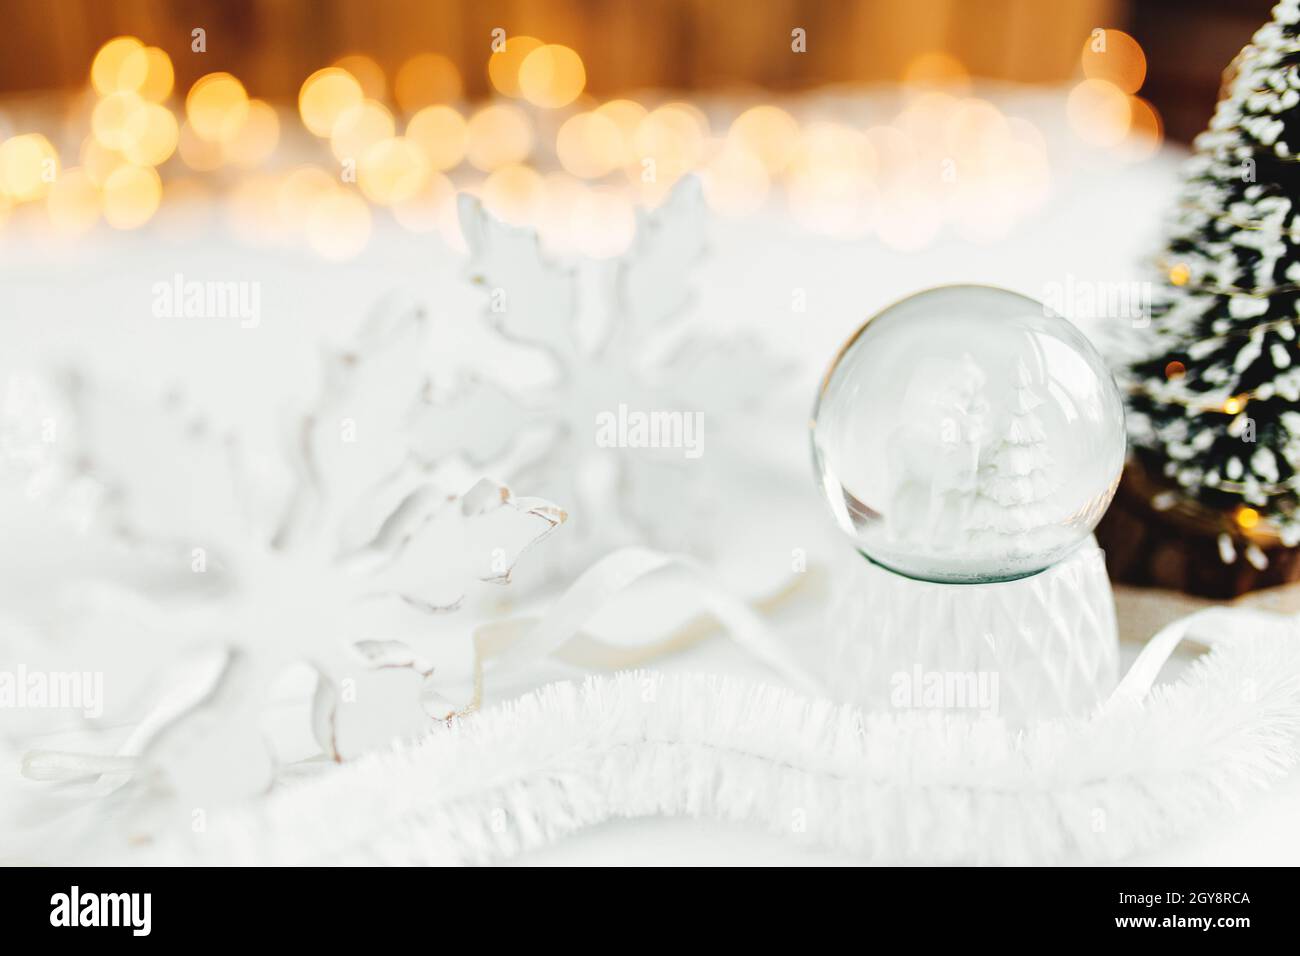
x=1141, y=677
x=509, y=645
x=558, y=633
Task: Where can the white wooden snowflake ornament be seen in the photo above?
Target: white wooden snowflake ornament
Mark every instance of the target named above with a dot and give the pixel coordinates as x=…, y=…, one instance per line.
x=333, y=554
x=620, y=349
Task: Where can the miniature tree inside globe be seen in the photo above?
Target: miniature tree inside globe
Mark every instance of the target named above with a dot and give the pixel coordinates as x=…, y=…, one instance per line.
x=967, y=435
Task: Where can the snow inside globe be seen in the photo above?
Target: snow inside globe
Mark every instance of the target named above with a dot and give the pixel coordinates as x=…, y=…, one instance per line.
x=967, y=434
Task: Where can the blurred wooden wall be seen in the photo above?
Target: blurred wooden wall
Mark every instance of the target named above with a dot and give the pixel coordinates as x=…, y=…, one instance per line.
x=272, y=45
x=1188, y=44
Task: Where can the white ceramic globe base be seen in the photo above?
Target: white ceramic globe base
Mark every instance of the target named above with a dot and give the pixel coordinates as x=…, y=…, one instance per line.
x=1039, y=647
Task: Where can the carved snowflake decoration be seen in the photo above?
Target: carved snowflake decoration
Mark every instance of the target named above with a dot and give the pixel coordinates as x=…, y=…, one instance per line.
x=621, y=428
x=335, y=557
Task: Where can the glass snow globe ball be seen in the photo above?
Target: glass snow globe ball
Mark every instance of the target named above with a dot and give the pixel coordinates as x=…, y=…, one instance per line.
x=967, y=434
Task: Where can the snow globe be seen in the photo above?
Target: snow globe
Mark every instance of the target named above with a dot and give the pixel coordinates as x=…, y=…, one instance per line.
x=968, y=440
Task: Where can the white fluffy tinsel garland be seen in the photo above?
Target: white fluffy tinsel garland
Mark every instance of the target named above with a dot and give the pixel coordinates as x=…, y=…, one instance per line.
x=887, y=787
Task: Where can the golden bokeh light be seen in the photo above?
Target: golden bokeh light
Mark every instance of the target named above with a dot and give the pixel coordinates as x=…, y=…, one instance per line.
x=552, y=76
x=131, y=196
x=1234, y=405
x=392, y=171
x=768, y=133
x=111, y=120
x=442, y=133
x=936, y=158
x=972, y=127
x=667, y=144
x=1115, y=57
x=937, y=70
x=151, y=135
x=217, y=106
x=360, y=127
x=73, y=202
x=199, y=154
x=514, y=194
x=121, y=65
x=98, y=161
x=368, y=73
x=29, y=165
x=498, y=135
x=1146, y=130
x=256, y=139
x=426, y=79
x=338, y=225
x=159, y=75
x=627, y=116
x=590, y=145
x=325, y=96
x=1099, y=113
x=698, y=115
x=928, y=117
x=1247, y=518
x=503, y=66
x=1180, y=274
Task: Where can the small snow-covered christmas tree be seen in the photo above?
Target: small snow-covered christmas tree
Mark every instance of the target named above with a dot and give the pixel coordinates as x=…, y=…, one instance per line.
x=1014, y=486
x=1214, y=380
